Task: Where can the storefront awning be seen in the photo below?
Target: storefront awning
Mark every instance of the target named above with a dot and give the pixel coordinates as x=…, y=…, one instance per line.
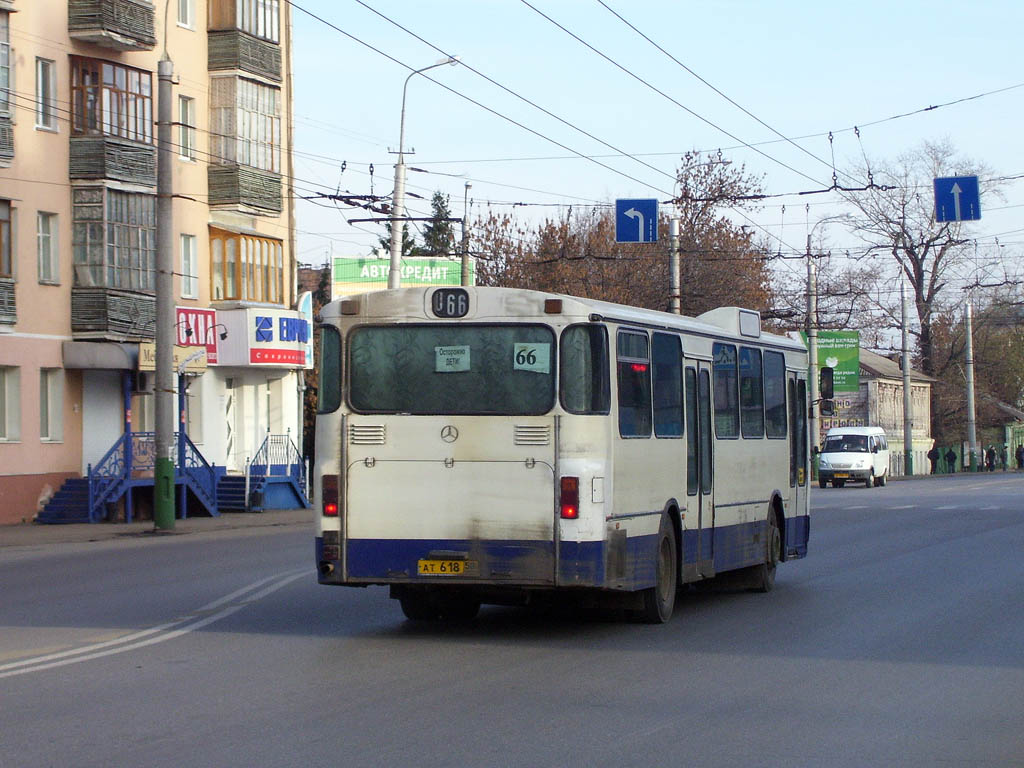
x=101, y=355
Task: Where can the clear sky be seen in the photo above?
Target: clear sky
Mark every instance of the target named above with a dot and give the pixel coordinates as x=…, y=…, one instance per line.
x=804, y=68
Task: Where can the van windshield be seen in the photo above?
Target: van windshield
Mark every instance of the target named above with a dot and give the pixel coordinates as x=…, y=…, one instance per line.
x=846, y=444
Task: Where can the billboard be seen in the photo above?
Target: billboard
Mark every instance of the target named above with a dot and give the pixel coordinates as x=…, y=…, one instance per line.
x=358, y=275
x=840, y=351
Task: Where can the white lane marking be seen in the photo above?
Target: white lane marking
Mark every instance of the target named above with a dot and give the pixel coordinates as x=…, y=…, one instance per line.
x=159, y=634
x=863, y=506
x=904, y=506
x=948, y=506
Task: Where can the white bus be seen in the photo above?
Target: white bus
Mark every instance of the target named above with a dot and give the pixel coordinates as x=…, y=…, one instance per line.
x=496, y=445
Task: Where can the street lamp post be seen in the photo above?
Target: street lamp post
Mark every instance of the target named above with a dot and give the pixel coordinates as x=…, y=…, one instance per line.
x=398, y=204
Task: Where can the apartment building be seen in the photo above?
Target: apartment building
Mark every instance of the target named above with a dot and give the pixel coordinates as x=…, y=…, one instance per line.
x=78, y=175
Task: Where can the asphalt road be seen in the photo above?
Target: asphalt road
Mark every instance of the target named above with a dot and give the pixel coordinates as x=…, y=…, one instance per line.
x=898, y=641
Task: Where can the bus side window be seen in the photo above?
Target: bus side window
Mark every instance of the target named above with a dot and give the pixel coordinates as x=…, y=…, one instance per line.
x=667, y=359
x=634, y=378
x=727, y=401
x=775, y=394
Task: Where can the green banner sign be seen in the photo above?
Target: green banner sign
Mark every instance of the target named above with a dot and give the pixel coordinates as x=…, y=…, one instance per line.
x=840, y=351
x=361, y=271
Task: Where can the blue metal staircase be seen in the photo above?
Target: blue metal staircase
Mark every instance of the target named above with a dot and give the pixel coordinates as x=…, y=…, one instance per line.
x=129, y=464
x=231, y=493
x=276, y=476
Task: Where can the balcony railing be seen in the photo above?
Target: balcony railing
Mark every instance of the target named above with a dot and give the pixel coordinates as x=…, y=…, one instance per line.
x=8, y=310
x=107, y=157
x=245, y=188
x=234, y=49
x=112, y=314
x=124, y=25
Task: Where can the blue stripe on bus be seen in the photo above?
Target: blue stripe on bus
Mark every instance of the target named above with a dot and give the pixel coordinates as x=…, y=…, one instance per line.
x=583, y=564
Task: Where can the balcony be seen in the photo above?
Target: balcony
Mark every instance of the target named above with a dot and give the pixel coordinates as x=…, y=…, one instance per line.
x=124, y=25
x=8, y=310
x=234, y=49
x=112, y=314
x=248, y=189
x=106, y=157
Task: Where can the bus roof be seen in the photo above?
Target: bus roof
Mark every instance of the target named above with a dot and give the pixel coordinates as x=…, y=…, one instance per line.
x=494, y=302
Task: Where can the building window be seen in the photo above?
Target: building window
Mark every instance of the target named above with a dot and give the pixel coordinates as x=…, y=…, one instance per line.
x=46, y=247
x=46, y=94
x=6, y=265
x=245, y=123
x=260, y=18
x=187, y=13
x=5, y=63
x=246, y=268
x=51, y=405
x=10, y=404
x=189, y=276
x=113, y=239
x=109, y=99
x=187, y=127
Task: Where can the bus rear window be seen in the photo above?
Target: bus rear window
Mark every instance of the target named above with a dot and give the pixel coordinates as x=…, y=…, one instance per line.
x=452, y=369
x=329, y=381
x=585, y=382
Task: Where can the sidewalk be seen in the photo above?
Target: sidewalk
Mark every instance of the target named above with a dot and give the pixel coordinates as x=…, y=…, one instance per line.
x=31, y=534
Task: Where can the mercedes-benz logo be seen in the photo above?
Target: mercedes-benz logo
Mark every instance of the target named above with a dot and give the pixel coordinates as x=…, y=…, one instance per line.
x=449, y=433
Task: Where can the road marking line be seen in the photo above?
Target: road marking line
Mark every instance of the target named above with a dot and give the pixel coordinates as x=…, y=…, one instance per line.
x=904, y=506
x=162, y=632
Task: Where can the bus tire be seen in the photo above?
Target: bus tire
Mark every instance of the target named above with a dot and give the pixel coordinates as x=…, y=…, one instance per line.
x=417, y=606
x=764, y=574
x=660, y=600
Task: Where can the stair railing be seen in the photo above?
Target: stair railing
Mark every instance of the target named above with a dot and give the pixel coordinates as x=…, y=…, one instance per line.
x=277, y=456
x=108, y=477
x=202, y=473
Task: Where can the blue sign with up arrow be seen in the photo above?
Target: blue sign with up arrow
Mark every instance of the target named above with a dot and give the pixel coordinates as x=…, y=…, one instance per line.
x=636, y=221
x=957, y=199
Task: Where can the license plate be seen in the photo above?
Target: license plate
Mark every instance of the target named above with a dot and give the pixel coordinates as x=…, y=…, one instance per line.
x=446, y=567
x=841, y=474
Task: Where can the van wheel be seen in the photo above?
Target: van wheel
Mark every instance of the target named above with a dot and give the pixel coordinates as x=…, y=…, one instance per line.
x=660, y=600
x=870, y=482
x=822, y=483
x=880, y=481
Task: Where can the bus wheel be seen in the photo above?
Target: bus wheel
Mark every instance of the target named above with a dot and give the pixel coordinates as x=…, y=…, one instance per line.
x=660, y=599
x=417, y=606
x=764, y=574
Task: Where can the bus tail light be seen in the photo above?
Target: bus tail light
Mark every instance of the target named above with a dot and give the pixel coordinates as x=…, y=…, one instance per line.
x=569, y=498
x=329, y=495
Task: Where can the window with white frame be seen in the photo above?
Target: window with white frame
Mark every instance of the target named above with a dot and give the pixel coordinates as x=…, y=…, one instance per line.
x=187, y=13
x=51, y=405
x=46, y=94
x=245, y=123
x=187, y=128
x=189, y=275
x=5, y=63
x=259, y=18
x=10, y=404
x=46, y=247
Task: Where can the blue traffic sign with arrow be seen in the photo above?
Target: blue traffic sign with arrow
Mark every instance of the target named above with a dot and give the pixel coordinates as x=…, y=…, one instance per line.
x=957, y=199
x=636, y=221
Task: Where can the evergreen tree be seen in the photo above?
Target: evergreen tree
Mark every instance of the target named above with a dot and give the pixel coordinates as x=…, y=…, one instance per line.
x=438, y=235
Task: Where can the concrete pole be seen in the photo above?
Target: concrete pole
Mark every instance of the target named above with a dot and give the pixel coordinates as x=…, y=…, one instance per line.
x=908, y=409
x=673, y=266
x=163, y=489
x=812, y=345
x=465, y=234
x=972, y=433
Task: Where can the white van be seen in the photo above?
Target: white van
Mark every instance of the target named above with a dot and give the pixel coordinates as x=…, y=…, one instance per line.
x=854, y=453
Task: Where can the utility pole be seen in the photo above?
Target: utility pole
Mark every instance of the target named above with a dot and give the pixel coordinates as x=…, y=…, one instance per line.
x=163, y=476
x=812, y=343
x=465, y=234
x=972, y=434
x=908, y=415
x=673, y=268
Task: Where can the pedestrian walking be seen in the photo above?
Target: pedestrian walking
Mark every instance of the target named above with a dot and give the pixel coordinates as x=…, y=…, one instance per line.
x=951, y=460
x=1002, y=456
x=990, y=459
x=1020, y=456
x=933, y=457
